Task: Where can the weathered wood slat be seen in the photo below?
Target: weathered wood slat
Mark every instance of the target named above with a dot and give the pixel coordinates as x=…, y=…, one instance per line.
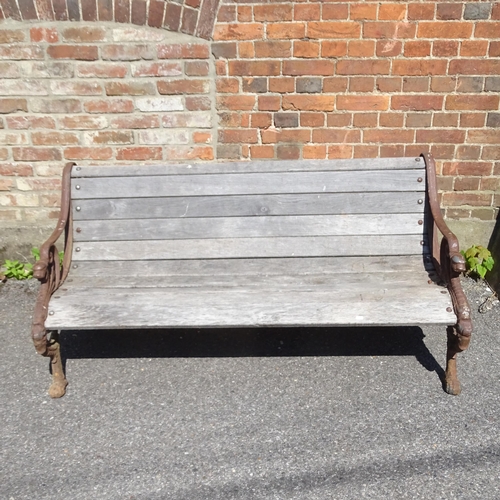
x=256, y=205
x=254, y=166
x=248, y=227
x=146, y=308
x=248, y=183
x=314, y=246
x=351, y=282
x=155, y=269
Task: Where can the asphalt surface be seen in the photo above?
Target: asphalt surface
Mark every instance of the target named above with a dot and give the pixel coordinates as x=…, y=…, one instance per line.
x=249, y=414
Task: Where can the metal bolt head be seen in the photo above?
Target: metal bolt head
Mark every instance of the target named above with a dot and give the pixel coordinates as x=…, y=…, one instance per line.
x=419, y=202
x=417, y=159
x=78, y=229
x=77, y=187
x=420, y=222
x=51, y=313
x=78, y=209
x=75, y=266
x=77, y=249
x=419, y=180
x=78, y=168
x=449, y=309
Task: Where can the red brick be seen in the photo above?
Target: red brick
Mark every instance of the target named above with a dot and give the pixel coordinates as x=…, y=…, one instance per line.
x=21, y=52
x=269, y=102
x=361, y=48
x=272, y=49
x=282, y=85
x=333, y=49
x=238, y=136
x=389, y=30
x=418, y=120
x=273, y=136
x=474, y=67
x=487, y=29
x=391, y=119
x=449, y=11
x=340, y=151
x=13, y=169
x=484, y=136
x=490, y=153
x=472, y=102
x=417, y=48
x=297, y=68
x=261, y=120
x=122, y=52
x=83, y=122
x=495, y=12
x=443, y=83
x=471, y=48
x=246, y=50
x=363, y=102
x=472, y=120
x=273, y=12
x=30, y=122
x=77, y=52
x=388, y=136
x=50, y=106
x=336, y=11
x=198, y=103
x=189, y=153
x=392, y=151
x=365, y=120
x=109, y=137
x=288, y=152
x=466, y=184
x=445, y=120
x=467, y=168
x=262, y=152
x=392, y=11
x=305, y=102
x=423, y=102
x=363, y=151
x=326, y=135
x=361, y=84
x=335, y=84
x=419, y=67
x=75, y=88
x=228, y=85
x=251, y=31
x=180, y=87
x=306, y=12
x=312, y=119
x=444, y=48
x=465, y=198
x=36, y=154
x=101, y=70
x=86, y=34
x=416, y=84
x=161, y=68
x=441, y=136
x=314, y=152
x=135, y=122
x=237, y=102
x=287, y=31
x=327, y=29
x=388, y=48
x=109, y=106
x=419, y=11
x=494, y=49
x=306, y=49
x=226, y=14
x=53, y=138
x=13, y=105
x=140, y=153
x=254, y=68
x=339, y=120
x=244, y=13
x=468, y=152
x=183, y=51
x=93, y=153
x=38, y=35
x=365, y=67
x=363, y=12
x=389, y=84
x=446, y=29
x=196, y=68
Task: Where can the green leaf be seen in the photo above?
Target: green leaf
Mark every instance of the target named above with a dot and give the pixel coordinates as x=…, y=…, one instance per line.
x=481, y=270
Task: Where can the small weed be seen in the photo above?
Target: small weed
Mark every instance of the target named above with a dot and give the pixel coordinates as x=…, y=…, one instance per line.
x=479, y=260
x=18, y=270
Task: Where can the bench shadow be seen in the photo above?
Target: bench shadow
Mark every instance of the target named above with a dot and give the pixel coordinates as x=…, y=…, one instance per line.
x=250, y=342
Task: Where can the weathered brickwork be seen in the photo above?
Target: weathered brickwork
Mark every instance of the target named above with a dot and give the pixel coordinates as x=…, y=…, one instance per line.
x=96, y=81
x=99, y=93
x=345, y=79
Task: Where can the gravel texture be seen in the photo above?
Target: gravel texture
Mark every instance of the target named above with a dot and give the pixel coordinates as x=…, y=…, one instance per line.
x=250, y=414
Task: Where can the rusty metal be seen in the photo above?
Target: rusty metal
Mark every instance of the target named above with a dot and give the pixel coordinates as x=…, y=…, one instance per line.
x=449, y=263
x=51, y=275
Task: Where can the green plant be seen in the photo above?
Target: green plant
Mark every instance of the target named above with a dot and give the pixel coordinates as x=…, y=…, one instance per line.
x=23, y=270
x=479, y=260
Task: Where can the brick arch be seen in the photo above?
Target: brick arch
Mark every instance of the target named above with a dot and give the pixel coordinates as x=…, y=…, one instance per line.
x=193, y=17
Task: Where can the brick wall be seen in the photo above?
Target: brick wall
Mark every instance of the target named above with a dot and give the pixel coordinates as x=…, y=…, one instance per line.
x=100, y=93
x=301, y=79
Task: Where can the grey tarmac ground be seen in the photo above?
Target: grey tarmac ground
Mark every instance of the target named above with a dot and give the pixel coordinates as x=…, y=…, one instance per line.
x=249, y=414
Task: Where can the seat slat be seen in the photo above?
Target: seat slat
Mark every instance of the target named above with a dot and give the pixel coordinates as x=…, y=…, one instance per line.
x=253, y=267
x=245, y=205
x=256, y=166
x=150, y=308
x=228, y=248
x=248, y=183
x=248, y=227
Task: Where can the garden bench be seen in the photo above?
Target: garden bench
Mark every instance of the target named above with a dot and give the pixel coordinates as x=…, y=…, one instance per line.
x=251, y=244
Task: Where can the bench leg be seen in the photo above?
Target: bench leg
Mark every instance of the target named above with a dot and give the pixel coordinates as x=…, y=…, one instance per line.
x=457, y=342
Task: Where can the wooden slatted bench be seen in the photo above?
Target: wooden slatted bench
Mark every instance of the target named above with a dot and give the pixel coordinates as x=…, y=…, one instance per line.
x=251, y=244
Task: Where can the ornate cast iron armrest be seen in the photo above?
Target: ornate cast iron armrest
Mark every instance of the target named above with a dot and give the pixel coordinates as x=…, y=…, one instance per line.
x=41, y=267
x=456, y=259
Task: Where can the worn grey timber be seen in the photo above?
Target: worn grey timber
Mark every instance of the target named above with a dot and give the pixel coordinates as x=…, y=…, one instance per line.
x=251, y=244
